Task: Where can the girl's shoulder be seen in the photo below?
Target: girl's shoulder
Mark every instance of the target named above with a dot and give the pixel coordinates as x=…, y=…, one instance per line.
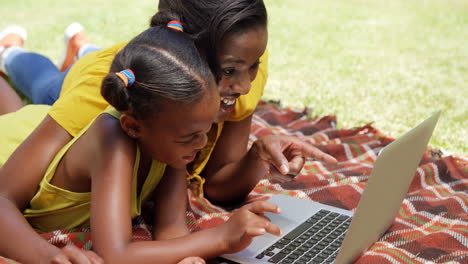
x=107, y=136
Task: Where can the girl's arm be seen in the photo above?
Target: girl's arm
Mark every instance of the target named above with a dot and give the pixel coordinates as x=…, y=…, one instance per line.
x=19, y=178
x=111, y=222
x=170, y=204
x=232, y=171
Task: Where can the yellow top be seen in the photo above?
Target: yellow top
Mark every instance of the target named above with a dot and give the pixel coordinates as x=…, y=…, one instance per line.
x=53, y=208
x=15, y=128
x=81, y=90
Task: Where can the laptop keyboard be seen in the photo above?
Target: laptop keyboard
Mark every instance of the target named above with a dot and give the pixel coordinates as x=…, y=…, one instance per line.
x=317, y=240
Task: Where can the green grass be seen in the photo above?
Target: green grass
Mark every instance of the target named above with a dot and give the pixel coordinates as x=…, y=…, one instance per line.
x=389, y=62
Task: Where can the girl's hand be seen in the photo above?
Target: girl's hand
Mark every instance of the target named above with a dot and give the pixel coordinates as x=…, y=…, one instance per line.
x=287, y=153
x=70, y=254
x=246, y=223
x=192, y=260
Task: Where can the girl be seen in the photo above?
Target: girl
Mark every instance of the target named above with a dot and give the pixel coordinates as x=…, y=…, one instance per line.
x=163, y=101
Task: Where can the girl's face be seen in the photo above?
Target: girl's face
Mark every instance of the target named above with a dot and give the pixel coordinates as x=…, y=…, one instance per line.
x=179, y=131
x=239, y=59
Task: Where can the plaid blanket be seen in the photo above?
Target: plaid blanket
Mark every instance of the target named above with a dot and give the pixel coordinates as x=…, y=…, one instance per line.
x=431, y=226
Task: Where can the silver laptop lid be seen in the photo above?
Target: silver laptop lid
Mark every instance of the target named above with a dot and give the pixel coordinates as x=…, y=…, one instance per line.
x=382, y=198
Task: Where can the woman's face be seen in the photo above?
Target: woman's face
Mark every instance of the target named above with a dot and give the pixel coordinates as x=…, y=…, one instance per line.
x=238, y=60
x=179, y=131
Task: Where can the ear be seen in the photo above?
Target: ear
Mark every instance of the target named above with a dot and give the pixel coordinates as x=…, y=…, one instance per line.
x=130, y=125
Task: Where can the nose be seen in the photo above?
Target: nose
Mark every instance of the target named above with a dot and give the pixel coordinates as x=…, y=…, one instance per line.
x=242, y=85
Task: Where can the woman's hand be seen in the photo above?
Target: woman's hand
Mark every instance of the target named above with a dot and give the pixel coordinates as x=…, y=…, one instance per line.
x=287, y=153
x=246, y=223
x=70, y=254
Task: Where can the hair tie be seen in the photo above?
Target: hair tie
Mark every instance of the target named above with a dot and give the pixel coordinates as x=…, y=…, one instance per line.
x=176, y=25
x=127, y=76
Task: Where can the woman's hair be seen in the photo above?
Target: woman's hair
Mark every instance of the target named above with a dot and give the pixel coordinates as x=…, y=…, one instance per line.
x=167, y=67
x=207, y=22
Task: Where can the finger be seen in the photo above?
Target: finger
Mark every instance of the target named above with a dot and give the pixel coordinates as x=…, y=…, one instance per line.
x=75, y=255
x=272, y=228
x=296, y=164
x=253, y=231
x=60, y=259
x=192, y=260
x=271, y=152
x=277, y=159
x=261, y=226
x=313, y=152
x=93, y=257
x=260, y=207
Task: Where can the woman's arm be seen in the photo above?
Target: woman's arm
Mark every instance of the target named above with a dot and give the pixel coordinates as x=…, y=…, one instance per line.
x=111, y=221
x=19, y=179
x=170, y=204
x=232, y=171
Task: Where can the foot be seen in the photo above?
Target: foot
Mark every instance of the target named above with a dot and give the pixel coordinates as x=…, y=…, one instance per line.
x=75, y=38
x=12, y=36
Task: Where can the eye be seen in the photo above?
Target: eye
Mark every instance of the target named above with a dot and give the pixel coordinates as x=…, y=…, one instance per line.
x=186, y=142
x=255, y=65
x=191, y=140
x=228, y=71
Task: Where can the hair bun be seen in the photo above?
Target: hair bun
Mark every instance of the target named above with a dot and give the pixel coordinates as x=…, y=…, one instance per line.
x=163, y=17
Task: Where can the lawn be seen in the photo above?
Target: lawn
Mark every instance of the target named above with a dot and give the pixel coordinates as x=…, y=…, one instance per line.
x=388, y=62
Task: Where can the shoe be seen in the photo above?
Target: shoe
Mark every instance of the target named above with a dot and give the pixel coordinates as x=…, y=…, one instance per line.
x=75, y=38
x=12, y=36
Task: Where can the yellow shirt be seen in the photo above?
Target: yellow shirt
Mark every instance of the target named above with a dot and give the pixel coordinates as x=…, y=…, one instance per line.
x=53, y=208
x=80, y=99
x=15, y=128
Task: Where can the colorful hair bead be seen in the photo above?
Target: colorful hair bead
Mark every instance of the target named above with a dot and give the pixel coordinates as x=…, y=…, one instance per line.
x=176, y=25
x=127, y=76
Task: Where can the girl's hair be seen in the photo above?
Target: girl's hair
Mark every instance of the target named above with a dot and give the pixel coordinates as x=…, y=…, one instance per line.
x=167, y=67
x=207, y=22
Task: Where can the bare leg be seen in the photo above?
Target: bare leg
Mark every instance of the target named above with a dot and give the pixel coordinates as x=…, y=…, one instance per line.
x=9, y=99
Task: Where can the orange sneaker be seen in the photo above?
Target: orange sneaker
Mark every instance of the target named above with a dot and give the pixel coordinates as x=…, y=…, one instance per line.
x=74, y=38
x=12, y=36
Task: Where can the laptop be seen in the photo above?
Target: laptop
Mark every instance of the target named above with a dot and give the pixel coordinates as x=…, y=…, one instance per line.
x=318, y=233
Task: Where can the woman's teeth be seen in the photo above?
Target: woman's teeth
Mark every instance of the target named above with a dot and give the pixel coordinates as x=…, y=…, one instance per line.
x=227, y=101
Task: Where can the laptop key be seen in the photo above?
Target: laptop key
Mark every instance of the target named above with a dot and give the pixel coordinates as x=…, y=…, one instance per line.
x=277, y=258
x=278, y=245
x=298, y=231
x=318, y=259
x=323, y=212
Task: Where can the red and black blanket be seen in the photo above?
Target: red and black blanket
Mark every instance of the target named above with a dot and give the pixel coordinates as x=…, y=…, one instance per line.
x=431, y=226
